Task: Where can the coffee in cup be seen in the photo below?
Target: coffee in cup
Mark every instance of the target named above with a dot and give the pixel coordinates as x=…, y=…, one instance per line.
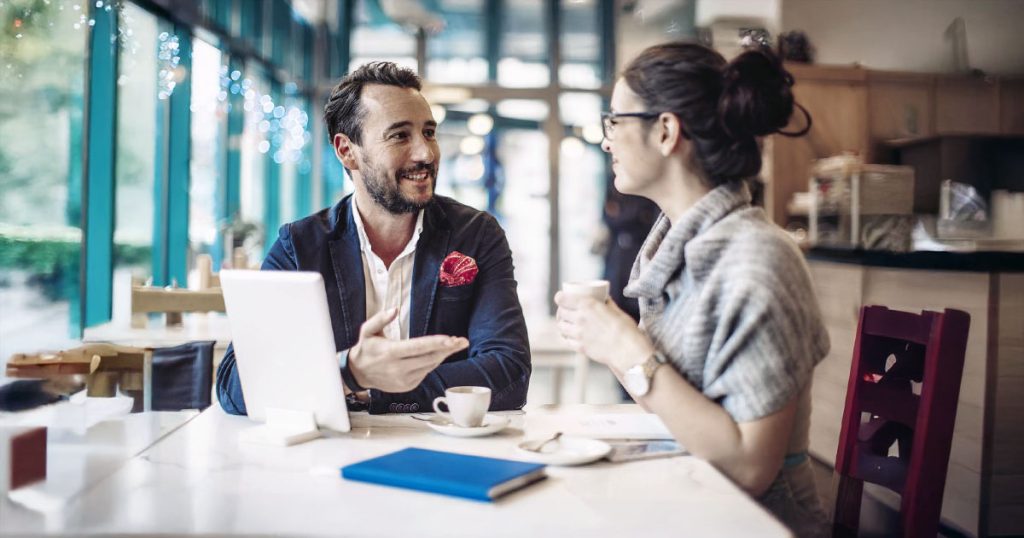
x=466, y=405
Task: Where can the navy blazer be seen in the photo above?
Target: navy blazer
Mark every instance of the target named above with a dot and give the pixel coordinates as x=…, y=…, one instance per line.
x=486, y=311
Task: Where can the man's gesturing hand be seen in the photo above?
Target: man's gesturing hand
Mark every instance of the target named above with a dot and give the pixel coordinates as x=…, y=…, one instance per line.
x=397, y=365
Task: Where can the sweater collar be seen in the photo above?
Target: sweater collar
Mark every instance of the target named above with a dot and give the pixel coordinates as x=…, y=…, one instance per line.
x=663, y=252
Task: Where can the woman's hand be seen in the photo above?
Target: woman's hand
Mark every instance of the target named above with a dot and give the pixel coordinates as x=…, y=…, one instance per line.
x=601, y=331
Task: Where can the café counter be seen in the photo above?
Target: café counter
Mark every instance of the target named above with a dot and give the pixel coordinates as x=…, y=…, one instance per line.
x=986, y=464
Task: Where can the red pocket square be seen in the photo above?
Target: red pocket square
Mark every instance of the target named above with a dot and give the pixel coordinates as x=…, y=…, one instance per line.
x=457, y=269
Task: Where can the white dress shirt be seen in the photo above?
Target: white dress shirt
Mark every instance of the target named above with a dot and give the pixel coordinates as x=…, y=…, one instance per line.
x=388, y=287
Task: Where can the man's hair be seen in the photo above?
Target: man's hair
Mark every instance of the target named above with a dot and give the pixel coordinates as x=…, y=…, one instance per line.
x=344, y=112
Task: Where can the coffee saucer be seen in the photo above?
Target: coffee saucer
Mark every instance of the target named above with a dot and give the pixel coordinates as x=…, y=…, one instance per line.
x=492, y=424
x=565, y=450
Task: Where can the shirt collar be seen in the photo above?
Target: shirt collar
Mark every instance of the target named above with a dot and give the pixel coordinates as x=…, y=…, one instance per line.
x=364, y=240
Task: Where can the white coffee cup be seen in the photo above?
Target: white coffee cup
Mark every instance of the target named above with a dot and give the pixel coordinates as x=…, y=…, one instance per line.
x=595, y=289
x=466, y=405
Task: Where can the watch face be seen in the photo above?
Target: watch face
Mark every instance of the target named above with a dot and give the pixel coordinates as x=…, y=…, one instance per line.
x=636, y=381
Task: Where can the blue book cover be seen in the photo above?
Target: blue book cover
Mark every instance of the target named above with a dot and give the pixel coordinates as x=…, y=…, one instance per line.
x=472, y=477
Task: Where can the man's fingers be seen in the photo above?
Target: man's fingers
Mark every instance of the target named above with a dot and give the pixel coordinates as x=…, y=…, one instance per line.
x=377, y=322
x=427, y=360
x=428, y=344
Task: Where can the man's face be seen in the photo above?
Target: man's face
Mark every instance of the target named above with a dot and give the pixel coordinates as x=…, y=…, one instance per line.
x=399, y=155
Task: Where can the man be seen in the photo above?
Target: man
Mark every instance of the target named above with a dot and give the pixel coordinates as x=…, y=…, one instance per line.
x=420, y=287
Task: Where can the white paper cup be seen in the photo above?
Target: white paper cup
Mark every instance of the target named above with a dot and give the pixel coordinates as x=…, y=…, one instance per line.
x=595, y=289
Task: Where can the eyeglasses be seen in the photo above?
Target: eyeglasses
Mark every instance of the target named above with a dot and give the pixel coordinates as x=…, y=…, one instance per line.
x=608, y=119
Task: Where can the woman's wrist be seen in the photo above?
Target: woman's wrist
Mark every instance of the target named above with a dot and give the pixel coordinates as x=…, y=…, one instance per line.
x=636, y=352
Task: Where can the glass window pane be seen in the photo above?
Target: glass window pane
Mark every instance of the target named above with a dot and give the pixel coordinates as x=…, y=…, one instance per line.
x=208, y=137
x=292, y=155
x=582, y=178
x=375, y=37
x=461, y=172
x=580, y=44
x=524, y=45
x=524, y=213
x=582, y=184
x=41, y=87
x=456, y=54
x=580, y=110
x=141, y=127
x=255, y=146
x=523, y=109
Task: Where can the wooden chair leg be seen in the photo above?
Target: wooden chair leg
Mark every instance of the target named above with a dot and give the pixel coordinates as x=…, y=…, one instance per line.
x=846, y=517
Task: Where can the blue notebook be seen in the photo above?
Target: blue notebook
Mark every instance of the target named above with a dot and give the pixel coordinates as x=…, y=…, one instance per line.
x=472, y=477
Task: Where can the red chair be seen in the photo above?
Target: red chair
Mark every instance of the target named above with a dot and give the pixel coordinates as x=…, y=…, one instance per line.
x=895, y=351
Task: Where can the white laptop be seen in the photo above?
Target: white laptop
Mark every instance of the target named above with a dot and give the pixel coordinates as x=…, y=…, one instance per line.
x=285, y=354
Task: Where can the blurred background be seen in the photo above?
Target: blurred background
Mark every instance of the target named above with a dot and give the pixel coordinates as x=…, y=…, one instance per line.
x=146, y=144
x=138, y=135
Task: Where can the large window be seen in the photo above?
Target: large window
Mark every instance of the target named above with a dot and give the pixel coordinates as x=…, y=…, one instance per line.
x=144, y=84
x=580, y=45
x=582, y=178
x=524, y=59
x=255, y=147
x=293, y=155
x=456, y=54
x=177, y=120
x=376, y=37
x=525, y=205
x=208, y=138
x=41, y=90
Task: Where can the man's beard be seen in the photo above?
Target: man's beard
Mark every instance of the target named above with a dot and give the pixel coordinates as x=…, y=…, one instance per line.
x=386, y=192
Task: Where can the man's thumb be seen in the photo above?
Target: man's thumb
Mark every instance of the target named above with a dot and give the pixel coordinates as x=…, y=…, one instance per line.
x=377, y=322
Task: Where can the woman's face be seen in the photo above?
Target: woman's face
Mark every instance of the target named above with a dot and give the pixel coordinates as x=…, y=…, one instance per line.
x=636, y=162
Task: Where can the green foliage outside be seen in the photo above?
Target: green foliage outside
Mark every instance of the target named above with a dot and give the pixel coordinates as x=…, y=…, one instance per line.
x=54, y=255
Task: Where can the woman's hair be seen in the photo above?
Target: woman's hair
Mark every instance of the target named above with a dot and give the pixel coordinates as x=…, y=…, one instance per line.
x=723, y=106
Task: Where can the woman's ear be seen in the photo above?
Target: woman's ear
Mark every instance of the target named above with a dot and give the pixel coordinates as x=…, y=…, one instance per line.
x=670, y=133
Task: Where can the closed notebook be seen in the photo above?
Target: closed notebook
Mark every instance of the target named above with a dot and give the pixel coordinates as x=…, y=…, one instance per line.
x=472, y=477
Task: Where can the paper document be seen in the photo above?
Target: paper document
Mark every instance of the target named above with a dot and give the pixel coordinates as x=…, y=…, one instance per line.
x=642, y=426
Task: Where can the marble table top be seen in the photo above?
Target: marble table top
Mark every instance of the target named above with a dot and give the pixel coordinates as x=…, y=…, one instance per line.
x=200, y=479
x=78, y=460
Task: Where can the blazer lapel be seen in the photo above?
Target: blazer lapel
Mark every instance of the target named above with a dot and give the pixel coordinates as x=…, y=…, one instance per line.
x=430, y=252
x=347, y=260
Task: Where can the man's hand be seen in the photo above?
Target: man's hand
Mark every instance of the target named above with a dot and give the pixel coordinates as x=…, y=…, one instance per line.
x=397, y=366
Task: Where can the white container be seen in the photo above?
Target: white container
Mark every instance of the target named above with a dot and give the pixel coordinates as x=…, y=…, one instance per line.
x=1007, y=215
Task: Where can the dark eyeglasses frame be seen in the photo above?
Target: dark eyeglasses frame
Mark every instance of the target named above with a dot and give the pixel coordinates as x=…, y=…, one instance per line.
x=607, y=117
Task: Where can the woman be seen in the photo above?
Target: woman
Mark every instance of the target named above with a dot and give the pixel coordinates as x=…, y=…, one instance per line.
x=726, y=303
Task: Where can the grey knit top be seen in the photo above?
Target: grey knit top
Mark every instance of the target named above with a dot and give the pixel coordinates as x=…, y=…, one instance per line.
x=726, y=296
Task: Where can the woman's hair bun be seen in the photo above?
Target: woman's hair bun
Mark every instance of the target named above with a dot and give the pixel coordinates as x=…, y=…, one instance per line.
x=756, y=99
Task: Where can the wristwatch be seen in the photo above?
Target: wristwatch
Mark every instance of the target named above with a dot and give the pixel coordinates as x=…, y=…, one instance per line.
x=638, y=378
x=346, y=373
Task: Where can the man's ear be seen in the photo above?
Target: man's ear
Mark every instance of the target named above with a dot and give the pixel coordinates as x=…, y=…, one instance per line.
x=345, y=151
x=669, y=131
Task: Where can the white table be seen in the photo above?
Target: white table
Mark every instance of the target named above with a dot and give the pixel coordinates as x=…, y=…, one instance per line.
x=194, y=327
x=200, y=480
x=77, y=461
